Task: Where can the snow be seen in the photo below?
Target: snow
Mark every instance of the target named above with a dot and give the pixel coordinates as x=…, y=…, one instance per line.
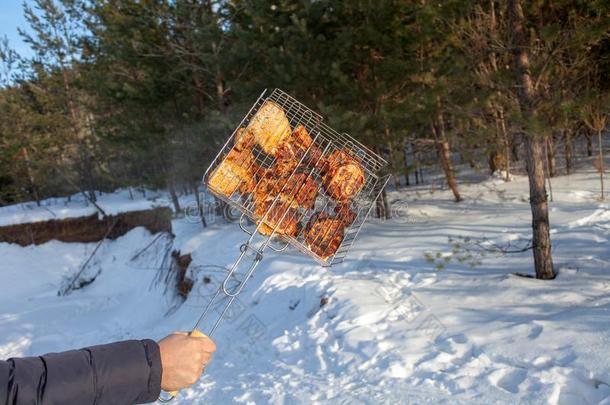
x=409, y=317
x=78, y=206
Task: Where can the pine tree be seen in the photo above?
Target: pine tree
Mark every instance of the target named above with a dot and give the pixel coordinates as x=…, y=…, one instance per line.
x=541, y=241
x=55, y=39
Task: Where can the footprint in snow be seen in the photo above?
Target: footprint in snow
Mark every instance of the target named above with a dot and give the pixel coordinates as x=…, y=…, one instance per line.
x=508, y=379
x=535, y=331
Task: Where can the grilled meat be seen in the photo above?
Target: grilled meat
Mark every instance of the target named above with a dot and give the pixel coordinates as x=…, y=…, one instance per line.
x=244, y=140
x=345, y=214
x=324, y=234
x=270, y=127
x=290, y=153
x=303, y=189
x=344, y=176
x=299, y=190
x=234, y=173
x=288, y=225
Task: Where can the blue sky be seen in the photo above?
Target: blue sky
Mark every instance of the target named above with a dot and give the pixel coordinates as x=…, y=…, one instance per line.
x=11, y=17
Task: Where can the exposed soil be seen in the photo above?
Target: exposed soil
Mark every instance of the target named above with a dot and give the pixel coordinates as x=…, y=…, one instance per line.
x=87, y=229
x=184, y=284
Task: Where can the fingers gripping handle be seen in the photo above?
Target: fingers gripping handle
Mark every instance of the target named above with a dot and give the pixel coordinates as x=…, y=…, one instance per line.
x=173, y=394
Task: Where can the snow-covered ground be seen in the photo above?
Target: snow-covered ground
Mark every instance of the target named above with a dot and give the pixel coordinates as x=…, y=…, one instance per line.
x=409, y=317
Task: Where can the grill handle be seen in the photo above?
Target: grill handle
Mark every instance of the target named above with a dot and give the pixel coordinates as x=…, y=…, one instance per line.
x=173, y=394
x=258, y=257
x=242, y=225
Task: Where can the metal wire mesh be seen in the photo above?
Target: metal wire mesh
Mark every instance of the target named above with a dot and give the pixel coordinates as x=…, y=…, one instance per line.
x=237, y=176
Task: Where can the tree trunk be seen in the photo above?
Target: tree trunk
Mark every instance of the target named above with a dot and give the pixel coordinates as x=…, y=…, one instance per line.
x=506, y=138
x=198, y=93
x=444, y=153
x=30, y=173
x=219, y=81
x=200, y=209
x=394, y=162
x=493, y=160
x=174, y=196
x=601, y=162
x=381, y=207
x=541, y=239
x=405, y=152
x=589, y=143
x=550, y=153
x=87, y=179
x=548, y=169
x=514, y=147
x=567, y=140
x=416, y=168
x=87, y=182
x=386, y=205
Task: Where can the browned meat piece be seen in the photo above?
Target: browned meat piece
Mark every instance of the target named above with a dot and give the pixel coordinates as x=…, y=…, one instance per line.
x=266, y=189
x=344, y=177
x=288, y=225
x=301, y=138
x=290, y=153
x=284, y=167
x=270, y=127
x=300, y=190
x=324, y=234
x=314, y=158
x=345, y=214
x=244, y=140
x=303, y=189
x=234, y=173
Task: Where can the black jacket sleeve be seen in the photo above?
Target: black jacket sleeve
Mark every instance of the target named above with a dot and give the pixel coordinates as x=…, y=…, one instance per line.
x=119, y=373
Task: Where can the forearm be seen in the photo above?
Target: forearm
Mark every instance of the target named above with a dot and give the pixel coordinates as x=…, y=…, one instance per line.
x=119, y=373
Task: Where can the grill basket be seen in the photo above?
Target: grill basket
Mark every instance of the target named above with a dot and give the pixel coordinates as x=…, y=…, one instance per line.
x=324, y=139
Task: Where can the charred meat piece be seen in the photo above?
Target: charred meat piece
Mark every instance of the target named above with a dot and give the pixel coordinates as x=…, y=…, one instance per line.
x=314, y=158
x=290, y=153
x=267, y=188
x=284, y=167
x=344, y=213
x=298, y=148
x=304, y=144
x=301, y=138
x=344, y=177
x=324, y=234
x=298, y=190
x=244, y=140
x=288, y=225
x=302, y=189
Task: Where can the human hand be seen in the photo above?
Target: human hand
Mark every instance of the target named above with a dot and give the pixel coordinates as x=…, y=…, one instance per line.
x=183, y=359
